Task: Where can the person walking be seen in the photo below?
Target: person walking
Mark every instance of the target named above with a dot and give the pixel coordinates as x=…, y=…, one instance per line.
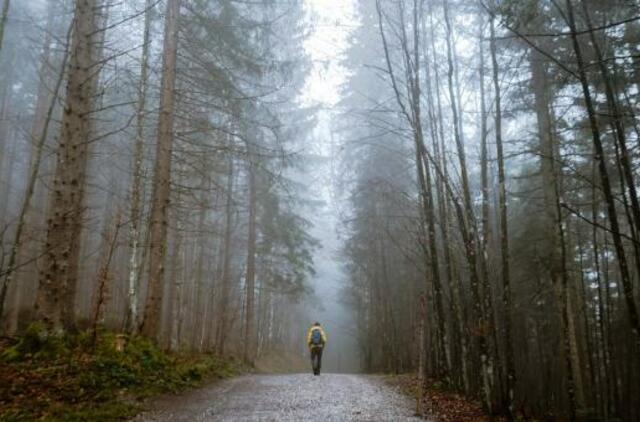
x=316, y=340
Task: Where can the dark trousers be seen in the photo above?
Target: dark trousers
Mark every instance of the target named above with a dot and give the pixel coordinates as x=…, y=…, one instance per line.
x=316, y=359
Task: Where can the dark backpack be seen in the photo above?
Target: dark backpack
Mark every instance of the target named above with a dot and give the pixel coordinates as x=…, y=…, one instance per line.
x=316, y=337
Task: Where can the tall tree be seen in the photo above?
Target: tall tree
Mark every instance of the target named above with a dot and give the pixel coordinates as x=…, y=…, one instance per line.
x=600, y=157
x=135, y=212
x=226, y=277
x=58, y=279
x=162, y=173
x=504, y=228
x=45, y=105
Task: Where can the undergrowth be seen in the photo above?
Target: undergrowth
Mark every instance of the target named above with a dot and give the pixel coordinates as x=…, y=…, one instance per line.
x=438, y=402
x=69, y=378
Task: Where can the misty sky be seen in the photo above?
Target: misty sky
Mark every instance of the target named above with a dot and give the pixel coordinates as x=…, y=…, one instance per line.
x=332, y=21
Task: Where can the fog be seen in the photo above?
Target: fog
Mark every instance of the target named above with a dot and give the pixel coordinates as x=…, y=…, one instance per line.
x=447, y=186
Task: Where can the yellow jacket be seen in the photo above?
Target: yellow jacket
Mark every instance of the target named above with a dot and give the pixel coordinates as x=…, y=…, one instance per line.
x=322, y=333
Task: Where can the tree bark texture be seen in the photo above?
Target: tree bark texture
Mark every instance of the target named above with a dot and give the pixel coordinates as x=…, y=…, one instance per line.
x=58, y=279
x=162, y=174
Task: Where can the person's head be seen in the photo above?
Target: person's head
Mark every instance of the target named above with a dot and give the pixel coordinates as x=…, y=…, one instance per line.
x=317, y=324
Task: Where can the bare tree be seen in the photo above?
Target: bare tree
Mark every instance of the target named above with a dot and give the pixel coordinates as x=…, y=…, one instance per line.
x=504, y=229
x=600, y=157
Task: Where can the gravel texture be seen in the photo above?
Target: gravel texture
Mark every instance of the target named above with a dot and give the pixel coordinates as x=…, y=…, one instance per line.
x=300, y=397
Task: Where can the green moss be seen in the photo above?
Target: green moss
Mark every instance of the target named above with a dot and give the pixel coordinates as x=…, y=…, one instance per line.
x=70, y=378
x=12, y=354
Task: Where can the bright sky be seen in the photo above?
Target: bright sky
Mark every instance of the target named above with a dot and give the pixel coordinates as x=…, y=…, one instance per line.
x=332, y=21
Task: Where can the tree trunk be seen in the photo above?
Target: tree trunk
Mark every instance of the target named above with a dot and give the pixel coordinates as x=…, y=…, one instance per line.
x=468, y=218
x=413, y=115
x=551, y=188
x=104, y=277
x=249, y=335
x=6, y=94
x=627, y=286
x=177, y=276
x=199, y=250
x=39, y=133
x=426, y=185
x=162, y=174
x=56, y=294
x=504, y=231
x=225, y=291
x=135, y=211
x=488, y=375
x=454, y=282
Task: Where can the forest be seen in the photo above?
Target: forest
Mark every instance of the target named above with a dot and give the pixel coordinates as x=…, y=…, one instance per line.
x=158, y=166
x=138, y=148
x=493, y=221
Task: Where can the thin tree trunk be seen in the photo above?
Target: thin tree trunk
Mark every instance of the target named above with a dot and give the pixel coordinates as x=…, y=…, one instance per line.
x=488, y=375
x=424, y=176
x=504, y=230
x=135, y=211
x=199, y=250
x=249, y=335
x=627, y=285
x=469, y=218
x=104, y=278
x=177, y=264
x=592, y=351
x=616, y=120
x=454, y=282
x=225, y=293
x=6, y=94
x=604, y=370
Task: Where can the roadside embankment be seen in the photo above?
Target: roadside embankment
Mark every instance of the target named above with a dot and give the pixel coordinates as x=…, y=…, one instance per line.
x=77, y=377
x=437, y=403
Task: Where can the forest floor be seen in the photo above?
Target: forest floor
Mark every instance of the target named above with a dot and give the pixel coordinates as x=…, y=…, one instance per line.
x=290, y=397
x=74, y=379
x=439, y=404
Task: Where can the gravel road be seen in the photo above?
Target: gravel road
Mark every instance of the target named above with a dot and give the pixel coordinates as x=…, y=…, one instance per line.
x=300, y=397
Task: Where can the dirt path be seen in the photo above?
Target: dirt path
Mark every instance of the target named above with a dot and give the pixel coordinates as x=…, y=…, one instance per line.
x=301, y=397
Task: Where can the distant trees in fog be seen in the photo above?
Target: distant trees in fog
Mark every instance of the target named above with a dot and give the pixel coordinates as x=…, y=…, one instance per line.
x=492, y=240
